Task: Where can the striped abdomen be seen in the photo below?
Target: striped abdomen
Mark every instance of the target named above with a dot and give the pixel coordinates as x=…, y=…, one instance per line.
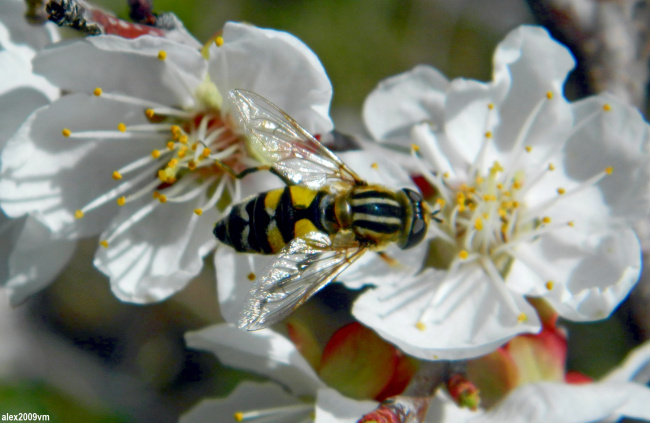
x=376, y=214
x=269, y=221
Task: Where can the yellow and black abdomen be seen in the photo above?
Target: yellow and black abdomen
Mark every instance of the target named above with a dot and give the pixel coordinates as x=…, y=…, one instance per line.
x=266, y=223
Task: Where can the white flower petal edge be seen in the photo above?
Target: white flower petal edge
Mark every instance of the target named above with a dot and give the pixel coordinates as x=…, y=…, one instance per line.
x=538, y=194
x=264, y=352
x=332, y=407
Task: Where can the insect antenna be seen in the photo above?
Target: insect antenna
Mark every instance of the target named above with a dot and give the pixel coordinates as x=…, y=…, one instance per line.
x=437, y=219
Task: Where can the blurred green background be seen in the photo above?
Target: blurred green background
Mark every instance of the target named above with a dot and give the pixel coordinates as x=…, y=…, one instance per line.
x=81, y=355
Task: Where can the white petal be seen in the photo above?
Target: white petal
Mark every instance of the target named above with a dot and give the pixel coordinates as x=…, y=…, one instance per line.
x=332, y=407
x=50, y=176
x=564, y=403
x=619, y=138
x=35, y=260
x=159, y=255
x=19, y=31
x=472, y=320
x=277, y=66
x=264, y=352
x=591, y=271
x=404, y=100
x=635, y=367
x=377, y=169
x=247, y=396
x=234, y=273
x=125, y=66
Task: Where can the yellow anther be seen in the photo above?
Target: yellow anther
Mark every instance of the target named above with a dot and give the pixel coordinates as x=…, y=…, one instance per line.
x=149, y=113
x=502, y=213
x=549, y=285
x=162, y=175
x=374, y=165
x=66, y=132
x=78, y=214
x=97, y=91
x=499, y=185
x=515, y=204
x=528, y=148
x=504, y=228
x=191, y=165
x=488, y=134
x=121, y=127
x=239, y=416
x=441, y=202
x=479, y=180
x=496, y=167
x=103, y=243
x=571, y=223
x=198, y=212
x=155, y=154
x=478, y=224
x=172, y=163
x=156, y=194
x=522, y=317
x=546, y=220
x=195, y=146
x=181, y=153
x=445, y=175
x=182, y=139
x=176, y=131
x=561, y=191
x=551, y=167
x=607, y=107
x=463, y=254
x=171, y=179
x=170, y=145
x=491, y=106
x=121, y=201
x=251, y=276
x=415, y=147
x=421, y=326
x=609, y=170
x=549, y=95
x=162, y=198
x=162, y=55
x=206, y=153
x=117, y=175
x=218, y=41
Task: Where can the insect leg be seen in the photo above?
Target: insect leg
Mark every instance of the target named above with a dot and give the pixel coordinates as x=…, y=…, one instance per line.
x=250, y=170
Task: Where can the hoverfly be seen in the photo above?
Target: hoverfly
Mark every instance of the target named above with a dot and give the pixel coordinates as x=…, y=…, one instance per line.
x=324, y=220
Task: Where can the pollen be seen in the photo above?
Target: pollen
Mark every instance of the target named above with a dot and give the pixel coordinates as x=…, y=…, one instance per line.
x=103, y=243
x=374, y=165
x=198, y=212
x=97, y=92
x=549, y=285
x=607, y=107
x=415, y=147
x=149, y=113
x=66, y=132
x=549, y=95
x=609, y=170
x=463, y=254
x=170, y=145
x=546, y=220
x=528, y=148
x=162, y=198
x=117, y=175
x=488, y=134
x=491, y=106
x=239, y=416
x=176, y=131
x=478, y=224
x=155, y=154
x=421, y=326
x=121, y=127
x=479, y=180
x=445, y=175
x=182, y=153
x=251, y=276
x=162, y=55
x=172, y=163
x=561, y=191
x=522, y=317
x=516, y=185
x=218, y=41
x=78, y=214
x=156, y=195
x=191, y=165
x=571, y=223
x=182, y=139
x=441, y=202
x=206, y=153
x=121, y=201
x=551, y=167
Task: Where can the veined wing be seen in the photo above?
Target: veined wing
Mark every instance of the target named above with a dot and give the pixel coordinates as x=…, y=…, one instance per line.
x=301, y=269
x=278, y=140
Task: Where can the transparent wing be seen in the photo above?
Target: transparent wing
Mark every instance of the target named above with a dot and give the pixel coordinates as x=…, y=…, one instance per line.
x=302, y=268
x=278, y=140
